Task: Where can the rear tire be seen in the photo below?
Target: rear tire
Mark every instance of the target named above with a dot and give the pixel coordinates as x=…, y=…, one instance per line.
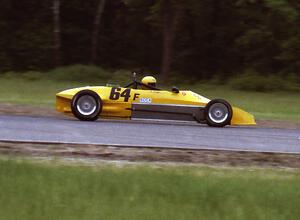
x=218, y=113
x=86, y=105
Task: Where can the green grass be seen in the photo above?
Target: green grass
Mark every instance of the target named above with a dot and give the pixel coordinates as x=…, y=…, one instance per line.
x=37, y=92
x=36, y=88
x=42, y=191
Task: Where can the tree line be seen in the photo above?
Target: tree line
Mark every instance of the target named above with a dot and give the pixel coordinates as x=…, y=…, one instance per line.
x=196, y=38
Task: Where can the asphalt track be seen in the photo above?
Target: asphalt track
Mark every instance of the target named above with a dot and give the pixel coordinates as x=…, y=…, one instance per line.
x=148, y=134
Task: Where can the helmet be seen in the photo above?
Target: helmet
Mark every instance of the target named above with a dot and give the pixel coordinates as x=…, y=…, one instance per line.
x=149, y=80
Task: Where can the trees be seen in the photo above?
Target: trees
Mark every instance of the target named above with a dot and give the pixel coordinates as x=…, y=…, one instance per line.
x=170, y=16
x=270, y=35
x=56, y=32
x=95, y=33
x=197, y=38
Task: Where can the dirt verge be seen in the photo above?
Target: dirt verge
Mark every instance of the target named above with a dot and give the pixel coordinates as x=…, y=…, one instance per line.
x=134, y=154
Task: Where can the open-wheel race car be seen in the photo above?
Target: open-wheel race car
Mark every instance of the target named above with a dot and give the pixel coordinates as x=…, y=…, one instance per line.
x=142, y=100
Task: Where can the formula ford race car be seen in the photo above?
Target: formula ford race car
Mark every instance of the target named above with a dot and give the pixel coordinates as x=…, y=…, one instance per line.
x=142, y=100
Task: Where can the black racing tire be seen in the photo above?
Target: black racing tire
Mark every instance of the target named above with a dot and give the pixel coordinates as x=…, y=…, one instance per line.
x=86, y=105
x=218, y=113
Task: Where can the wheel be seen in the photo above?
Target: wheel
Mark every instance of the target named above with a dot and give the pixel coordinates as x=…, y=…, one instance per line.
x=218, y=113
x=86, y=105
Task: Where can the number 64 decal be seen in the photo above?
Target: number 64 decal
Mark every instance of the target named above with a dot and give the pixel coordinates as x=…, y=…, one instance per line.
x=115, y=94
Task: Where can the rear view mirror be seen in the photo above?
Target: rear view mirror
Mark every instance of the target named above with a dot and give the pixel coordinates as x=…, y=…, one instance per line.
x=175, y=89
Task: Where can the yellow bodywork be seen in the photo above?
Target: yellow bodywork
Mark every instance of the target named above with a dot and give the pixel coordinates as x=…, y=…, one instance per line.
x=122, y=109
x=241, y=117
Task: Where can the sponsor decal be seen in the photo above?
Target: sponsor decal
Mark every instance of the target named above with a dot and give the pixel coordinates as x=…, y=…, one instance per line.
x=145, y=100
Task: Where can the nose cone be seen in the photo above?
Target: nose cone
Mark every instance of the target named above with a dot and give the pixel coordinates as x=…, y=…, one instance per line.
x=68, y=94
x=63, y=100
x=241, y=117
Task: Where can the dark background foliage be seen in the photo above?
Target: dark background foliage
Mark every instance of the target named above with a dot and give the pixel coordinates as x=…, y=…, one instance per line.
x=211, y=37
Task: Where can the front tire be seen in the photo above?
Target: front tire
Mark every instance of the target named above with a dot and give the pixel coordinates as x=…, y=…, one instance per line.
x=218, y=113
x=86, y=105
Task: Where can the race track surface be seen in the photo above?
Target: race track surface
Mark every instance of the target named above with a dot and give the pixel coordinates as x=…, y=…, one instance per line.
x=148, y=134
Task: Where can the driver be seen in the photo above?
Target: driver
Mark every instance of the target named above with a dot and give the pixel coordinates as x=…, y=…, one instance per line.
x=150, y=81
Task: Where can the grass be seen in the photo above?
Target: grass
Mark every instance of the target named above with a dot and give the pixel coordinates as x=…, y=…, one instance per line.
x=35, y=88
x=38, y=92
x=43, y=191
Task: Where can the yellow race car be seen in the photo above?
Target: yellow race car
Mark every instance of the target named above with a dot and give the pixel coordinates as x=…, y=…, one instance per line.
x=143, y=100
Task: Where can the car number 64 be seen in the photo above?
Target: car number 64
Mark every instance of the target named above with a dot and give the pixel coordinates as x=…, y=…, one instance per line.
x=116, y=93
